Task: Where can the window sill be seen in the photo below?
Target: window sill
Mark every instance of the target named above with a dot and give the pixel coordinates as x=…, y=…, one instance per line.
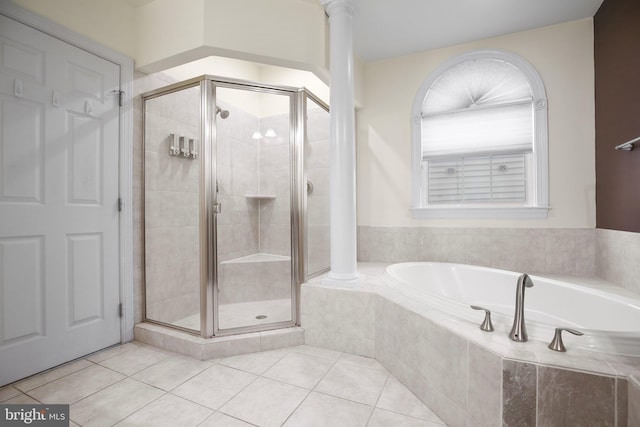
x=489, y=212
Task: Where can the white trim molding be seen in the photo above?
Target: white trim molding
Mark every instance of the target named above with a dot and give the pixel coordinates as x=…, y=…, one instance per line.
x=125, y=150
x=537, y=212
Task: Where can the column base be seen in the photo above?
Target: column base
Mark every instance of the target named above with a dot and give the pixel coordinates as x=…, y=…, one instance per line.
x=339, y=279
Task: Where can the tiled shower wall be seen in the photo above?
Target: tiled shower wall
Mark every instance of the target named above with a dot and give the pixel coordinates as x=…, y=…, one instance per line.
x=248, y=226
x=237, y=165
x=172, y=206
x=275, y=179
x=143, y=83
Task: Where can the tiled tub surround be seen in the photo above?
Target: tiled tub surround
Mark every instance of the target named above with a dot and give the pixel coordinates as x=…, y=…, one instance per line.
x=618, y=255
x=573, y=251
x=609, y=321
x=467, y=376
x=569, y=251
x=634, y=400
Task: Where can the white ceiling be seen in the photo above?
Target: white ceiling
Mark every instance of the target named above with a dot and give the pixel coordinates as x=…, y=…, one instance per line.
x=388, y=28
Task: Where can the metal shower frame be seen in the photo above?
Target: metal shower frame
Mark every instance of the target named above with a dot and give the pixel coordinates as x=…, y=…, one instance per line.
x=209, y=323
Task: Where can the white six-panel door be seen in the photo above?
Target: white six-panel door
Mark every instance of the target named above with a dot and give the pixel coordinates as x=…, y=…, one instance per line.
x=59, y=271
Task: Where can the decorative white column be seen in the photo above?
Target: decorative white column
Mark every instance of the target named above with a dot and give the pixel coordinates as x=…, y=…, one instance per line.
x=343, y=150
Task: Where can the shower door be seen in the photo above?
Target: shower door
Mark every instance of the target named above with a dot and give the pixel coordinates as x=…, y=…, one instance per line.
x=253, y=156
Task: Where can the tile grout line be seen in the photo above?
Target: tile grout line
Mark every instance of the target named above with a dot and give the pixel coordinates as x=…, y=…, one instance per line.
x=164, y=392
x=168, y=391
x=313, y=389
x=378, y=399
x=96, y=392
x=260, y=374
x=144, y=406
x=235, y=395
x=50, y=370
x=230, y=416
x=232, y=397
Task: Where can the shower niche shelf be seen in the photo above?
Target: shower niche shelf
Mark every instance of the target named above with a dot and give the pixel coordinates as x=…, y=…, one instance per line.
x=257, y=257
x=260, y=196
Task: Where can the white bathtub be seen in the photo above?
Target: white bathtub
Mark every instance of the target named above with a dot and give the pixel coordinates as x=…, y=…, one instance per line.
x=610, y=323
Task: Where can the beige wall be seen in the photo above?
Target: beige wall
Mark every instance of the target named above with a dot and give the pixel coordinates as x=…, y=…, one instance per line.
x=562, y=54
x=167, y=33
x=289, y=33
x=111, y=23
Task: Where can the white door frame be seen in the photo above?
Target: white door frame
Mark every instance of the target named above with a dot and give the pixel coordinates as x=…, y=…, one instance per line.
x=126, y=145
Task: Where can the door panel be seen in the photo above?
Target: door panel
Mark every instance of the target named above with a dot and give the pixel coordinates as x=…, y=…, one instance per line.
x=22, y=166
x=84, y=174
x=85, y=284
x=22, y=288
x=59, y=285
x=253, y=227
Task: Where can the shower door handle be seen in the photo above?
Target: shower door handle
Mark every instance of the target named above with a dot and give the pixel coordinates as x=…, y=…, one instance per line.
x=217, y=208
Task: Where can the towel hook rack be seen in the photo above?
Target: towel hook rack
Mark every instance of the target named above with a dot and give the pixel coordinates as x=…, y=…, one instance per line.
x=627, y=146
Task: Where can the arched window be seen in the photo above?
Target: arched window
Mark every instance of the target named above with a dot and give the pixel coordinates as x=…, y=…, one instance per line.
x=480, y=139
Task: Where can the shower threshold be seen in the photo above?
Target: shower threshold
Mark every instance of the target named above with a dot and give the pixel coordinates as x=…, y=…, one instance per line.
x=222, y=346
x=257, y=257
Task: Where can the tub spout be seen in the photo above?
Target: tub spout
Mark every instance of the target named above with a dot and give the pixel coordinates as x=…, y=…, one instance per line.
x=518, y=330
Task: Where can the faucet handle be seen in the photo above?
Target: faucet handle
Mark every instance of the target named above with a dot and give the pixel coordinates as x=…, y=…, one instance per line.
x=486, y=324
x=556, y=344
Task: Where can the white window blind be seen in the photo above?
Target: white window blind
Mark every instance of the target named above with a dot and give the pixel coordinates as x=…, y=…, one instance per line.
x=499, y=178
x=486, y=130
x=481, y=106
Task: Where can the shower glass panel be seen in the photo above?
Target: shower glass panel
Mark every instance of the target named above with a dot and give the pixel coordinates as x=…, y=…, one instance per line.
x=316, y=150
x=236, y=197
x=253, y=153
x=172, y=204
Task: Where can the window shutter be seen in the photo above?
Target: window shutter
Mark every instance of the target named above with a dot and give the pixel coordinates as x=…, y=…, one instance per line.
x=477, y=179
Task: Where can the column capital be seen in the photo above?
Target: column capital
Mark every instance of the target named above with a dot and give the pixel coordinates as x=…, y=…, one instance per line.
x=331, y=6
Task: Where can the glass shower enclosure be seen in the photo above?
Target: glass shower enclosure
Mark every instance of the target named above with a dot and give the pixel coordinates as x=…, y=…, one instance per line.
x=236, y=195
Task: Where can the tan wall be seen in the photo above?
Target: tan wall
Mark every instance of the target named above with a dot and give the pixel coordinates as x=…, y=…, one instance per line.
x=167, y=33
x=288, y=33
x=562, y=54
x=111, y=23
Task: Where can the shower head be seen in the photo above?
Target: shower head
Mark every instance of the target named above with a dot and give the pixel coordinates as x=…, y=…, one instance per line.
x=223, y=113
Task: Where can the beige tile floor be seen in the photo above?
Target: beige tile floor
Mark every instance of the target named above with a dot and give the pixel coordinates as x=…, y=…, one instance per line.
x=138, y=385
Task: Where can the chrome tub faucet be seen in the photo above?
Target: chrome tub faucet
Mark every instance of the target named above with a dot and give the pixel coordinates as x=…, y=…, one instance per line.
x=518, y=330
